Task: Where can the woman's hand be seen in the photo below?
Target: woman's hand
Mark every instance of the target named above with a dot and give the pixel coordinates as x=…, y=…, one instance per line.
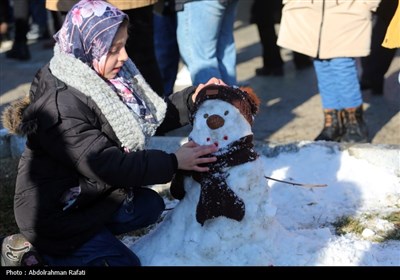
x=190, y=156
x=214, y=81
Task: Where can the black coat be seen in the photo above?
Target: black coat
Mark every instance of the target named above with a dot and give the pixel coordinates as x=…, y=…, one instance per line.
x=70, y=143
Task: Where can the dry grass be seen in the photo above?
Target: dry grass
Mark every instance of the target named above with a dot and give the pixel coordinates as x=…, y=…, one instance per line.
x=394, y=218
x=347, y=224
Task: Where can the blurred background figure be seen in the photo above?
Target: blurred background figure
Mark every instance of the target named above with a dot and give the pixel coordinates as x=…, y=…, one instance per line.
x=334, y=34
x=19, y=49
x=166, y=44
x=5, y=19
x=39, y=24
x=205, y=39
x=265, y=14
x=376, y=64
x=392, y=37
x=140, y=45
x=30, y=22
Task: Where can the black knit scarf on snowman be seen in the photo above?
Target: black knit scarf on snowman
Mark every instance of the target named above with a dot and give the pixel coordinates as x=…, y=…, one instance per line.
x=216, y=198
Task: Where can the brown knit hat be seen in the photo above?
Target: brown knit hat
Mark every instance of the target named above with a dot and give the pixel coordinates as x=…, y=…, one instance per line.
x=244, y=99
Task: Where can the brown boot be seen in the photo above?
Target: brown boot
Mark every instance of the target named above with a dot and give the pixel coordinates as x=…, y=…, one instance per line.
x=332, y=130
x=355, y=129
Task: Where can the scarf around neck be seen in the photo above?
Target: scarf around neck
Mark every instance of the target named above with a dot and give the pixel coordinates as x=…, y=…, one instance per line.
x=216, y=198
x=86, y=36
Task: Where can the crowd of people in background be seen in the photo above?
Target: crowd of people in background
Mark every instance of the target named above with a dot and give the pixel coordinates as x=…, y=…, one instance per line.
x=199, y=35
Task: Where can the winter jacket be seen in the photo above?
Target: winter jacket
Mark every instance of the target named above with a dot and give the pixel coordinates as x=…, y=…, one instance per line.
x=327, y=29
x=66, y=5
x=74, y=128
x=392, y=36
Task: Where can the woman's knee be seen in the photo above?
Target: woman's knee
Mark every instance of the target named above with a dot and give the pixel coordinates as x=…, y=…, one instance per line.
x=150, y=203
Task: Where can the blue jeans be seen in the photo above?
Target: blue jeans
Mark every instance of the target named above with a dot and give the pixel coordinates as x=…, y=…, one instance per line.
x=338, y=83
x=206, y=41
x=104, y=249
x=167, y=50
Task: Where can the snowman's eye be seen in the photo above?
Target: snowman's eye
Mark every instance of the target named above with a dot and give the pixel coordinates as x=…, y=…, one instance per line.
x=205, y=116
x=226, y=113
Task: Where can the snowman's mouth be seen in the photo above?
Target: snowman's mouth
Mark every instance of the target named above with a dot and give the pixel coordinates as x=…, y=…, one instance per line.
x=216, y=143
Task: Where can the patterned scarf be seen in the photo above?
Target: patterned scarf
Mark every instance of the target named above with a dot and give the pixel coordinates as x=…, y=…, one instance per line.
x=216, y=198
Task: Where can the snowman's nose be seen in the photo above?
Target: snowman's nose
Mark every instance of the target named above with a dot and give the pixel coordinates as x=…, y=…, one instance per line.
x=215, y=121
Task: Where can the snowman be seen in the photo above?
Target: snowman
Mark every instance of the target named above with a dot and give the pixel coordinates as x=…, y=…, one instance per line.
x=226, y=209
x=223, y=116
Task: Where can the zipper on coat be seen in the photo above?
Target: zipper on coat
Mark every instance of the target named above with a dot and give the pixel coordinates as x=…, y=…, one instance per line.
x=320, y=28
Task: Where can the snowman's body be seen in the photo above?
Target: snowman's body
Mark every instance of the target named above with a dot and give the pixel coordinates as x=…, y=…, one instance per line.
x=221, y=123
x=246, y=180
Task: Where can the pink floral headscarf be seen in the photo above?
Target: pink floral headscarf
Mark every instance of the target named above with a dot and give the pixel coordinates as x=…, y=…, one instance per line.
x=88, y=31
x=87, y=34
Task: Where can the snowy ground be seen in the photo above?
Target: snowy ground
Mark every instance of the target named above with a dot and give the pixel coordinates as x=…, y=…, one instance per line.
x=363, y=184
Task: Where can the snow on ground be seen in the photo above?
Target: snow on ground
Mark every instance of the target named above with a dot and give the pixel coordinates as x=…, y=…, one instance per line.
x=297, y=229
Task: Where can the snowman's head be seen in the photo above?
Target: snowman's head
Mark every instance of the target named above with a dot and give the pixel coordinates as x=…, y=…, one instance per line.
x=222, y=115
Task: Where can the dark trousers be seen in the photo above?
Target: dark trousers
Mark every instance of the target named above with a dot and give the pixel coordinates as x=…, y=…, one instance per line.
x=139, y=210
x=167, y=49
x=21, y=17
x=375, y=66
x=265, y=14
x=140, y=46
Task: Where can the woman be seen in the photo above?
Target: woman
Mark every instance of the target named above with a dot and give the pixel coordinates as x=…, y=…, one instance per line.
x=87, y=121
x=334, y=33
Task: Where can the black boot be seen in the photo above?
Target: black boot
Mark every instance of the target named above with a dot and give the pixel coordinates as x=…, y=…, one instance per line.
x=332, y=130
x=20, y=48
x=19, y=51
x=355, y=129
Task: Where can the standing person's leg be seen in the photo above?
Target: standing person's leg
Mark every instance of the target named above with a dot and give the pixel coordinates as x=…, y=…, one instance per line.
x=351, y=100
x=39, y=17
x=166, y=49
x=263, y=16
x=301, y=61
x=341, y=100
x=198, y=27
x=326, y=84
x=332, y=130
x=375, y=65
x=345, y=75
x=226, y=48
x=20, y=48
x=4, y=18
x=140, y=46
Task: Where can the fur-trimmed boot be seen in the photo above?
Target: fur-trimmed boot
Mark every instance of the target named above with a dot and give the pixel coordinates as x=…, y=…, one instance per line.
x=332, y=130
x=355, y=129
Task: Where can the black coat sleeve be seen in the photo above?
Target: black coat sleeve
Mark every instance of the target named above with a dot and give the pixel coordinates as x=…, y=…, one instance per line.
x=178, y=110
x=78, y=142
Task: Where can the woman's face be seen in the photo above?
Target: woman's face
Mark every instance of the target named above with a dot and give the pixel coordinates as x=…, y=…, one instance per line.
x=117, y=55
